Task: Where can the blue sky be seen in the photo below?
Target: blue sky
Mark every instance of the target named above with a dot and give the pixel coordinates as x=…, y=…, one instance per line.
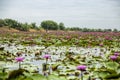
x=73, y=13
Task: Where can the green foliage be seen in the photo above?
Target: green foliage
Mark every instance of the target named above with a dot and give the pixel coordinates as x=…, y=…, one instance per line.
x=113, y=76
x=34, y=26
x=61, y=26
x=2, y=23
x=112, y=66
x=49, y=25
x=3, y=76
x=115, y=30
x=11, y=23
x=15, y=74
x=90, y=30
x=25, y=27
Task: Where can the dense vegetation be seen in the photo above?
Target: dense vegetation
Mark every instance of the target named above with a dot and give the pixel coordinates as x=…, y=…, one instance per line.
x=62, y=38
x=98, y=51
x=47, y=25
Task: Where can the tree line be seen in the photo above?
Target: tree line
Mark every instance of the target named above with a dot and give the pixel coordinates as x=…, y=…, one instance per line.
x=91, y=30
x=47, y=25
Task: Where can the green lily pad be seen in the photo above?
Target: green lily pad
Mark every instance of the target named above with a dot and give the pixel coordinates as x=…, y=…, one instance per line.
x=112, y=66
x=102, y=74
x=113, y=76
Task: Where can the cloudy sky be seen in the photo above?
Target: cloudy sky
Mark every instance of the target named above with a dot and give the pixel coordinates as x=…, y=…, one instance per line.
x=73, y=13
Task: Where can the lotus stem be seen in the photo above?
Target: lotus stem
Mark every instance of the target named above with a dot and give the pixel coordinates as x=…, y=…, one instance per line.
x=46, y=61
x=81, y=75
x=19, y=65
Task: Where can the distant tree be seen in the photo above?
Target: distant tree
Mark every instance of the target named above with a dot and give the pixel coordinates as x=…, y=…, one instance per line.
x=85, y=30
x=100, y=30
x=115, y=30
x=25, y=27
x=67, y=29
x=2, y=23
x=11, y=23
x=61, y=26
x=49, y=25
x=74, y=29
x=109, y=30
x=33, y=25
x=89, y=30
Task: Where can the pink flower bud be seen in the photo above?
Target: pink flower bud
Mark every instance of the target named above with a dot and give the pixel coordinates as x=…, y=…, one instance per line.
x=81, y=67
x=116, y=54
x=113, y=58
x=47, y=56
x=19, y=59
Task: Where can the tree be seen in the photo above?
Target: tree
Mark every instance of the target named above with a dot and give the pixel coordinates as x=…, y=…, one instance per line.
x=33, y=25
x=2, y=23
x=11, y=23
x=100, y=30
x=115, y=30
x=85, y=30
x=61, y=26
x=25, y=27
x=49, y=25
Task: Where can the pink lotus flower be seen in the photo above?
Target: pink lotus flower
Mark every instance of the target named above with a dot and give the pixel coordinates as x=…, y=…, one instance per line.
x=116, y=54
x=47, y=56
x=81, y=67
x=19, y=59
x=113, y=58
